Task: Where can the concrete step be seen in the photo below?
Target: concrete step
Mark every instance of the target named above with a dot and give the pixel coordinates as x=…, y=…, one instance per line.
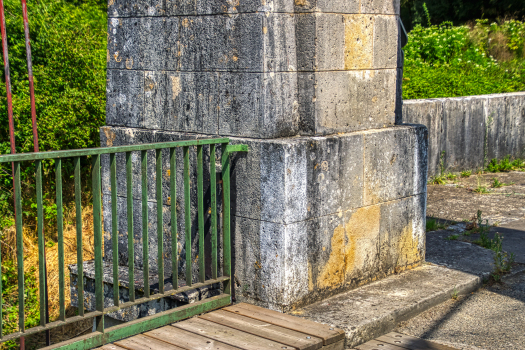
x=375, y=309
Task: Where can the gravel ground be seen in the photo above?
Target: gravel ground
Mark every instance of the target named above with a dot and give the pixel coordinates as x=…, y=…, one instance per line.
x=494, y=317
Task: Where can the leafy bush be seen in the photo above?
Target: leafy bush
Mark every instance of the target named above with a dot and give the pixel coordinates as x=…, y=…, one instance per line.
x=449, y=61
x=505, y=165
x=68, y=40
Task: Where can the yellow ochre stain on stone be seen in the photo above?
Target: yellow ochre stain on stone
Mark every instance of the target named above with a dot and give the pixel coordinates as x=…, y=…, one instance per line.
x=302, y=3
x=110, y=136
x=349, y=247
x=408, y=251
x=175, y=87
x=359, y=41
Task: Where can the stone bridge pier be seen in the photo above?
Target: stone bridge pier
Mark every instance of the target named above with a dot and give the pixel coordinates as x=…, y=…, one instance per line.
x=332, y=194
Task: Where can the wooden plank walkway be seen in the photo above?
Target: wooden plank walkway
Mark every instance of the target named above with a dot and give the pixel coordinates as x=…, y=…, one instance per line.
x=248, y=327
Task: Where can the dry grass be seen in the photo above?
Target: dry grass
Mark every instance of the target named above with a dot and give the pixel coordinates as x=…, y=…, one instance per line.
x=498, y=47
x=70, y=254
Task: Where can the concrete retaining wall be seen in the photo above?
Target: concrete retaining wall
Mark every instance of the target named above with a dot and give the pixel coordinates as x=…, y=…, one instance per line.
x=470, y=130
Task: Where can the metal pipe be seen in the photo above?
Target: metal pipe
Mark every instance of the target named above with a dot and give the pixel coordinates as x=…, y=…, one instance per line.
x=35, y=133
x=5, y=55
x=30, y=75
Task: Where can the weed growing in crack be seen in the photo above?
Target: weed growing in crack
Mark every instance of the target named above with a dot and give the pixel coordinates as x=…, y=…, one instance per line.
x=497, y=183
x=466, y=174
x=452, y=238
x=454, y=294
x=481, y=189
x=434, y=225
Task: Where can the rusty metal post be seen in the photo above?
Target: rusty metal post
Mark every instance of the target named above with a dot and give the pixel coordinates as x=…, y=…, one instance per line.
x=5, y=55
x=35, y=133
x=30, y=75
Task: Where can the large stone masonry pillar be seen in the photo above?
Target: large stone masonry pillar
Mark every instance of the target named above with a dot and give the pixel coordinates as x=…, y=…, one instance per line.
x=332, y=194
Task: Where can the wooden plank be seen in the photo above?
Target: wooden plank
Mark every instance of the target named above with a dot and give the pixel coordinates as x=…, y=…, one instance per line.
x=328, y=334
x=340, y=345
x=187, y=340
x=142, y=342
x=265, y=330
x=229, y=335
x=110, y=347
x=378, y=345
x=411, y=343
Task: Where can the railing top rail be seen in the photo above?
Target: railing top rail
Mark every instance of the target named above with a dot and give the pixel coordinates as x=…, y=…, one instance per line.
x=21, y=157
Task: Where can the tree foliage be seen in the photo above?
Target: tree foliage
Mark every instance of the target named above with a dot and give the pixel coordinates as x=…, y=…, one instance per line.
x=68, y=41
x=459, y=11
x=449, y=61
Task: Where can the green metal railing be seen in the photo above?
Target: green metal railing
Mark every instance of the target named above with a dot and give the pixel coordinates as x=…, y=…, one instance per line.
x=104, y=335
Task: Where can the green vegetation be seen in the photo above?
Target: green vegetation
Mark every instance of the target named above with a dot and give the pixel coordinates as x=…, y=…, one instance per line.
x=505, y=165
x=447, y=61
x=434, y=225
x=415, y=12
x=68, y=40
x=466, y=173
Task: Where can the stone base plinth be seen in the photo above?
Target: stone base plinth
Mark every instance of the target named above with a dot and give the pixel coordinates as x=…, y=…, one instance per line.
x=134, y=312
x=311, y=216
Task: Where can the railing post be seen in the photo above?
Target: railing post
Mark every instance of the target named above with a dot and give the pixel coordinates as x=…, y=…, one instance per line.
x=19, y=247
x=225, y=159
x=97, y=232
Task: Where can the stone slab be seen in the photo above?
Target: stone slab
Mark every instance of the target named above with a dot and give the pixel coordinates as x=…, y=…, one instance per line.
x=375, y=309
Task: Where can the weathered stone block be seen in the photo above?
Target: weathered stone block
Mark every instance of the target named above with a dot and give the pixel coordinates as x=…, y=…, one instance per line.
x=258, y=105
x=181, y=101
x=125, y=8
x=386, y=49
x=498, y=131
x=354, y=100
x=516, y=115
x=406, y=154
x=430, y=114
x=223, y=43
x=299, y=263
x=320, y=41
x=359, y=41
x=280, y=53
x=125, y=98
x=465, y=130
x=402, y=234
x=387, y=7
x=149, y=43
x=207, y=7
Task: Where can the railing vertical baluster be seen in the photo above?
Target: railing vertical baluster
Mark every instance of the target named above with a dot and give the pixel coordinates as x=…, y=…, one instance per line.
x=19, y=247
x=145, y=237
x=97, y=233
x=187, y=213
x=60, y=234
x=213, y=187
x=41, y=242
x=225, y=159
x=200, y=213
x=114, y=226
x=160, y=233
x=173, y=204
x=129, y=214
x=80, y=251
